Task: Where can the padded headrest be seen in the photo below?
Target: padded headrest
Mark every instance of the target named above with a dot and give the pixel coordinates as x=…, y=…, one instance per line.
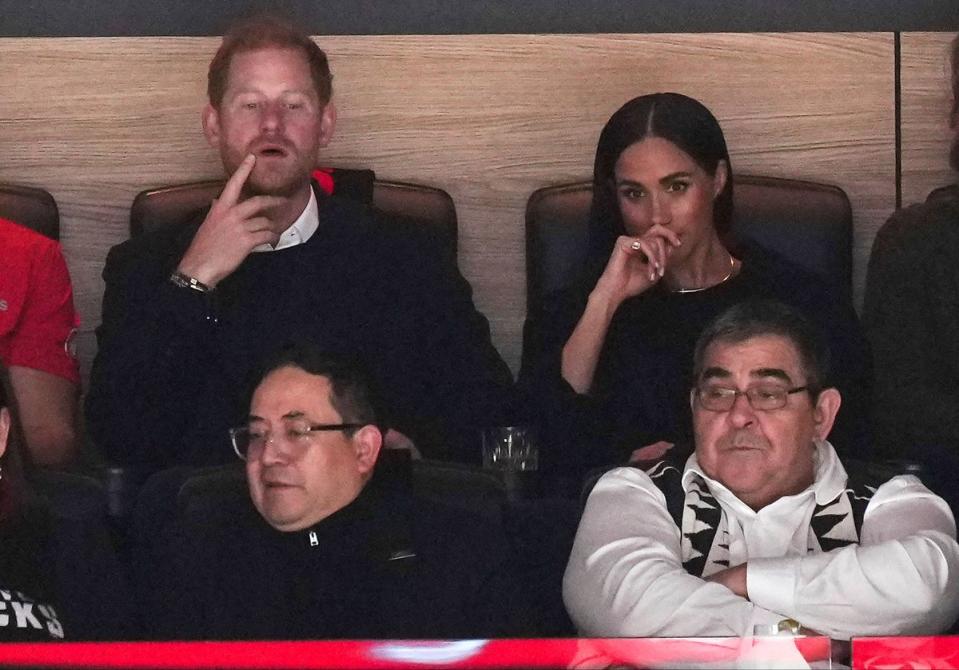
x=423, y=209
x=807, y=223
x=30, y=207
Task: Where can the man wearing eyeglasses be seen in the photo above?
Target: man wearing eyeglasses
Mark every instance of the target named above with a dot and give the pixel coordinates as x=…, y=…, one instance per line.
x=761, y=527
x=328, y=549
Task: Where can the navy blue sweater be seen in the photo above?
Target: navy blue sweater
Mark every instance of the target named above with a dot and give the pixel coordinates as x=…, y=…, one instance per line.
x=171, y=373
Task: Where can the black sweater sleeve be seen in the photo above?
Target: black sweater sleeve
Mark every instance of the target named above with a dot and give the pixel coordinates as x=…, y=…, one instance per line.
x=574, y=433
x=144, y=387
x=459, y=383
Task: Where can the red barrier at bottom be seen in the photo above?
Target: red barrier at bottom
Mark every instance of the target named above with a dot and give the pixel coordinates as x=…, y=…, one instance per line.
x=905, y=653
x=423, y=654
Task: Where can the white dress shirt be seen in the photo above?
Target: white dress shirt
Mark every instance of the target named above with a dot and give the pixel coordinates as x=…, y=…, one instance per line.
x=300, y=230
x=625, y=576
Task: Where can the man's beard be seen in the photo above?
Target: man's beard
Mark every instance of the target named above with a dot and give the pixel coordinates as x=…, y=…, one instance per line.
x=283, y=177
x=285, y=184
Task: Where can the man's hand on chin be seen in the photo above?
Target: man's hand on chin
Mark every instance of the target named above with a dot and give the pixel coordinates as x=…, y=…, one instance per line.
x=231, y=230
x=733, y=579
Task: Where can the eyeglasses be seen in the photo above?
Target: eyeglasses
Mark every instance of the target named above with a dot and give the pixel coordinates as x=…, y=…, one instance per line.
x=249, y=441
x=763, y=398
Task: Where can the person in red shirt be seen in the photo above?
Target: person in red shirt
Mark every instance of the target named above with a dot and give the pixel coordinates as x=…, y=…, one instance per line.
x=37, y=326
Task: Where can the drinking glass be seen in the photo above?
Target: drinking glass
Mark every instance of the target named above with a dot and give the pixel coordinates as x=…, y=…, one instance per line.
x=511, y=448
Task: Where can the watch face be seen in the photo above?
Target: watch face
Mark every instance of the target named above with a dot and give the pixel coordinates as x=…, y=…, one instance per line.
x=790, y=626
x=183, y=281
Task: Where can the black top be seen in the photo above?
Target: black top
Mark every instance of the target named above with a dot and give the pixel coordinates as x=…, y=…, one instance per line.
x=385, y=566
x=172, y=368
x=911, y=316
x=640, y=391
x=60, y=580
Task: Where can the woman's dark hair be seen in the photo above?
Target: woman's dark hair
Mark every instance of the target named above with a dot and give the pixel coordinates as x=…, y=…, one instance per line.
x=685, y=122
x=954, y=113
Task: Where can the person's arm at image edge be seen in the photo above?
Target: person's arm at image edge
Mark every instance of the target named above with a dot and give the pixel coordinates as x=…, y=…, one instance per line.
x=44, y=376
x=47, y=412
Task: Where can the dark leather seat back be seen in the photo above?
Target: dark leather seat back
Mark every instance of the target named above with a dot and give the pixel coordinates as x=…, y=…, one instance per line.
x=30, y=207
x=807, y=223
x=69, y=495
x=207, y=492
x=423, y=210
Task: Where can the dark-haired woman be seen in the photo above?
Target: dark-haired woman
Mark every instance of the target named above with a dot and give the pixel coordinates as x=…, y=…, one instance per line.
x=607, y=365
x=59, y=577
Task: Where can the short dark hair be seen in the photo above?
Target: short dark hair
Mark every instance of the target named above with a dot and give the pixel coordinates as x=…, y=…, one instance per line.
x=352, y=391
x=261, y=32
x=685, y=122
x=754, y=318
x=954, y=114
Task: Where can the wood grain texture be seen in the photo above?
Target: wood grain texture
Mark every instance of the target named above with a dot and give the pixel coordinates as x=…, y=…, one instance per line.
x=489, y=118
x=926, y=101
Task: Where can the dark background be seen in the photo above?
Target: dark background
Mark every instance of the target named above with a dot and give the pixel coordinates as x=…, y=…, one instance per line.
x=88, y=18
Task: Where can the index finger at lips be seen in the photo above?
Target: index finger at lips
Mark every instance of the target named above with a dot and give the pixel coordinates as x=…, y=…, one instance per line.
x=234, y=185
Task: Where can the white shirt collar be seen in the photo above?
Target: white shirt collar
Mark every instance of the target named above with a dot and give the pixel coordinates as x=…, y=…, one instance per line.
x=830, y=478
x=300, y=230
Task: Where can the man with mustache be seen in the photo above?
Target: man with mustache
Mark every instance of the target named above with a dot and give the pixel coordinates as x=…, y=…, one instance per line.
x=187, y=313
x=762, y=525
x=326, y=545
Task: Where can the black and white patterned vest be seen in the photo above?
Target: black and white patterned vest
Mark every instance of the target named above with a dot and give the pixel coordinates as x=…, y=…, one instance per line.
x=699, y=517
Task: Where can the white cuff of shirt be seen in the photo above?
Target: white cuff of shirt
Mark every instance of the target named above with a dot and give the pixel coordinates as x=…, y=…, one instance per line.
x=761, y=617
x=771, y=583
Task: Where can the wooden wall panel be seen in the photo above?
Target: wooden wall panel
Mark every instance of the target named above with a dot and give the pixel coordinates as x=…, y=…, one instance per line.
x=489, y=118
x=926, y=100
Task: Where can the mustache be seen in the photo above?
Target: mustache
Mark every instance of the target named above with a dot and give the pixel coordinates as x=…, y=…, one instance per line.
x=743, y=440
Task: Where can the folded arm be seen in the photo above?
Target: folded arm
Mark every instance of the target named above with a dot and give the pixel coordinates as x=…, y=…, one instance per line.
x=625, y=575
x=901, y=580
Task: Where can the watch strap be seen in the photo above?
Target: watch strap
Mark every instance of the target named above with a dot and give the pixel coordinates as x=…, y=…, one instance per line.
x=182, y=280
